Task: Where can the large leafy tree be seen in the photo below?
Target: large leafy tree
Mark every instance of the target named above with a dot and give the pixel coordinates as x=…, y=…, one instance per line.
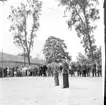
x=23, y=38
x=54, y=50
x=82, y=14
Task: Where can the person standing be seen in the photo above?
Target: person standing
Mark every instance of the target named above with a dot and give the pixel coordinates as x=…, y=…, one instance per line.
x=65, y=73
x=56, y=68
x=0, y=72
x=99, y=71
x=78, y=70
x=72, y=69
x=94, y=70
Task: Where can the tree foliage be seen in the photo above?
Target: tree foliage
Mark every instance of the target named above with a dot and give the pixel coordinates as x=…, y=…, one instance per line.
x=19, y=18
x=81, y=58
x=54, y=50
x=83, y=13
x=98, y=55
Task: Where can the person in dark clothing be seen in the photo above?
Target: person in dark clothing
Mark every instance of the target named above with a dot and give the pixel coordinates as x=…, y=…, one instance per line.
x=5, y=72
x=72, y=70
x=88, y=70
x=0, y=72
x=94, y=70
x=84, y=70
x=79, y=70
x=13, y=69
x=65, y=73
x=99, y=71
x=44, y=70
x=40, y=71
x=61, y=68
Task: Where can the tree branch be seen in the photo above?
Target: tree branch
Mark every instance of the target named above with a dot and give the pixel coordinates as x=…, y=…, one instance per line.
x=77, y=13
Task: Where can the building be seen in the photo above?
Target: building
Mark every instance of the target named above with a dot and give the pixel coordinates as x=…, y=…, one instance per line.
x=7, y=60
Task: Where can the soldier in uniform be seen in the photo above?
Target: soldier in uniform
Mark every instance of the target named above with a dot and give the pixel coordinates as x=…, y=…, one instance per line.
x=72, y=70
x=5, y=72
x=65, y=73
x=85, y=69
x=88, y=70
x=94, y=70
x=99, y=71
x=79, y=70
x=0, y=72
x=44, y=70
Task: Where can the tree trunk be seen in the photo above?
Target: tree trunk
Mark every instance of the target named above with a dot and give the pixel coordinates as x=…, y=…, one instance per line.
x=29, y=58
x=89, y=38
x=24, y=58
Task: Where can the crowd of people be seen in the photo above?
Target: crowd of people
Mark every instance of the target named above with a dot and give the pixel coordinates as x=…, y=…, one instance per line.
x=86, y=70
x=82, y=70
x=23, y=71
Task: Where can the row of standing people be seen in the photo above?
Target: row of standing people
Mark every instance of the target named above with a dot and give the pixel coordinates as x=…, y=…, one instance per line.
x=23, y=71
x=47, y=70
x=86, y=70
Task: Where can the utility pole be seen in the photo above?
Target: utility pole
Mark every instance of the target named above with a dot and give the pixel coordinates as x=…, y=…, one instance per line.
x=2, y=65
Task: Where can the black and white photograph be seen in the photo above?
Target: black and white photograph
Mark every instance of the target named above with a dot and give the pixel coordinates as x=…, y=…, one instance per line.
x=52, y=52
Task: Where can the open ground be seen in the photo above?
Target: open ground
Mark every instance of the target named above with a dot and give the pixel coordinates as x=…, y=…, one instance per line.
x=41, y=91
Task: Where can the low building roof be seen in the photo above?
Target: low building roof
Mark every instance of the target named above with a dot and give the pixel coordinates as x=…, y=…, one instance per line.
x=15, y=58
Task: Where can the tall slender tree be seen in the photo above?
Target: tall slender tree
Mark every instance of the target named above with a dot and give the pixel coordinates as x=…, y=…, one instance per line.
x=19, y=27
x=82, y=14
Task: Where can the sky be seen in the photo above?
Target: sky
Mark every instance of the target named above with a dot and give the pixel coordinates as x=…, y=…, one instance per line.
x=52, y=23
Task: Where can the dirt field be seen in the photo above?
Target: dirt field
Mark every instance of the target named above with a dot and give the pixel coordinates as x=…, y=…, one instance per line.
x=41, y=91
